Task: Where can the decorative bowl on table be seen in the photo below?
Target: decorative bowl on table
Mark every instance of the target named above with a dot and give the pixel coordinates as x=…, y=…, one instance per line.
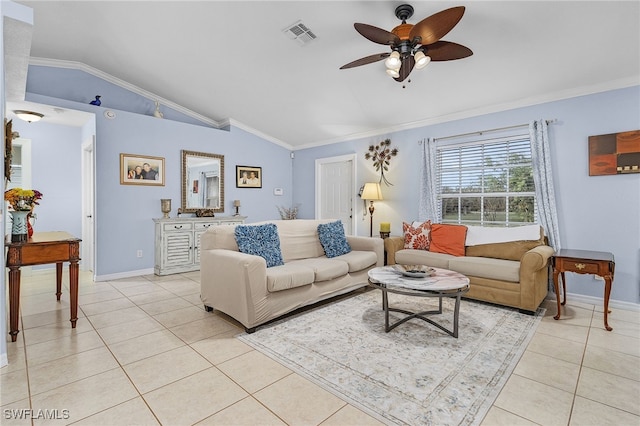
x=415, y=271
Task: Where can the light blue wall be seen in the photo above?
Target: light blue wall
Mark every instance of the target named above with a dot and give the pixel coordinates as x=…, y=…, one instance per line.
x=595, y=212
x=124, y=213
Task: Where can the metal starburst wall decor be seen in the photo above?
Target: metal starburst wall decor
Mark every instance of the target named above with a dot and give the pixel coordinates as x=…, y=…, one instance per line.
x=381, y=155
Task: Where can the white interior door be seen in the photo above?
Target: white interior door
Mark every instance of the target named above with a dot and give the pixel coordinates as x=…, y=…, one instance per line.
x=88, y=203
x=335, y=179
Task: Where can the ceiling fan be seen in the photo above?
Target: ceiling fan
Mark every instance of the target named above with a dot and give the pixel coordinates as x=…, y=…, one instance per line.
x=413, y=45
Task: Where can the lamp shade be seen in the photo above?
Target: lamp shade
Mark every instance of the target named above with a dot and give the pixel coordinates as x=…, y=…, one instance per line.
x=236, y=203
x=372, y=191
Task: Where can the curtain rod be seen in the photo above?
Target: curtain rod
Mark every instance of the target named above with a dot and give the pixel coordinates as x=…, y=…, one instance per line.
x=482, y=132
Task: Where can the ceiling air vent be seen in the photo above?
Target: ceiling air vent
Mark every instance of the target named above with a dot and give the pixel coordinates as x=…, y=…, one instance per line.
x=300, y=33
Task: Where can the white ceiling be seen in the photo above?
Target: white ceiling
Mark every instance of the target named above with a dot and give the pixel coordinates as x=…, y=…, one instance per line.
x=229, y=60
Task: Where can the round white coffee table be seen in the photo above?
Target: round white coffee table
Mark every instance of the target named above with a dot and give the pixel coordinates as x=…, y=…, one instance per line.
x=443, y=283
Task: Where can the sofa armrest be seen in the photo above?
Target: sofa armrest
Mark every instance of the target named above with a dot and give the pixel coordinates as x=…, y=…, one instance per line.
x=391, y=246
x=233, y=282
x=534, y=277
x=535, y=259
x=368, y=244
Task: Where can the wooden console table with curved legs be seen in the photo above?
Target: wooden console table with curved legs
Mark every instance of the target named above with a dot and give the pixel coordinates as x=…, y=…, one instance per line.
x=40, y=249
x=583, y=262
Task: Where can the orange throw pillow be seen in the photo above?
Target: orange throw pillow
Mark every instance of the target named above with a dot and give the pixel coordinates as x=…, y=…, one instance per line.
x=448, y=239
x=417, y=238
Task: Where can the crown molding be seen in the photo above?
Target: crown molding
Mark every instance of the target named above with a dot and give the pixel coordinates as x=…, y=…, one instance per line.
x=230, y=122
x=533, y=100
x=57, y=63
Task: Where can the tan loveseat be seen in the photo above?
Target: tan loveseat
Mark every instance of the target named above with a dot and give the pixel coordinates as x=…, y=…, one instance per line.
x=511, y=273
x=241, y=285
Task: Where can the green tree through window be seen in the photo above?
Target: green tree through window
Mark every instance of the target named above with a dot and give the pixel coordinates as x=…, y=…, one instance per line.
x=487, y=183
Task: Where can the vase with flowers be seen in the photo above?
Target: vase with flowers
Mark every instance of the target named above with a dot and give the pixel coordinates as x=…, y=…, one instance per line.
x=22, y=203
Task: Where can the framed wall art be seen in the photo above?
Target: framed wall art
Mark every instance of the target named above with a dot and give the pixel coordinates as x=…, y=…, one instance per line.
x=614, y=154
x=141, y=170
x=248, y=177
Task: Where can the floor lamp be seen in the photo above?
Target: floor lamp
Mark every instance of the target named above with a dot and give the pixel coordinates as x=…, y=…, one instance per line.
x=371, y=192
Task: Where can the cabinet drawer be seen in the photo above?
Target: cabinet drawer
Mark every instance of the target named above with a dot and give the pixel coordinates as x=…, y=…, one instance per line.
x=578, y=265
x=185, y=226
x=204, y=225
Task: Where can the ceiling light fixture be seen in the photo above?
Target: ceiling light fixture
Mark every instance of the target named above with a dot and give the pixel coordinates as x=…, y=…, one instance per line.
x=422, y=60
x=393, y=61
x=29, y=116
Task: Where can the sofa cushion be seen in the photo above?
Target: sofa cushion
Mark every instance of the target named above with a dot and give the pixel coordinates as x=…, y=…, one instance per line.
x=323, y=268
x=422, y=257
x=332, y=238
x=299, y=238
x=511, y=250
x=359, y=260
x=288, y=276
x=484, y=267
x=448, y=239
x=260, y=240
x=417, y=237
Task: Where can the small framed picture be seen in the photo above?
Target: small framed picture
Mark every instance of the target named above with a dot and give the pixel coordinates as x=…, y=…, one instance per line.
x=248, y=177
x=141, y=170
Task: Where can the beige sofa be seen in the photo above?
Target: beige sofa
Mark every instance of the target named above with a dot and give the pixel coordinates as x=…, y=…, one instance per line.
x=241, y=285
x=511, y=273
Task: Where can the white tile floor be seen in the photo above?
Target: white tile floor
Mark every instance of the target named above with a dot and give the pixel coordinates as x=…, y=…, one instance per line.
x=145, y=352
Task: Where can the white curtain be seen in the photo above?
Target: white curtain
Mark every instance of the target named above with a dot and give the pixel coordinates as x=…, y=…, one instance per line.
x=543, y=180
x=428, y=202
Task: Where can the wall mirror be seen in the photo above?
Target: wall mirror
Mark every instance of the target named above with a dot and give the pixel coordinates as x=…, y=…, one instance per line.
x=202, y=181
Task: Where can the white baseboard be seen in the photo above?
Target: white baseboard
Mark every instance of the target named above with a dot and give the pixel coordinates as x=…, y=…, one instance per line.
x=4, y=360
x=598, y=301
x=127, y=274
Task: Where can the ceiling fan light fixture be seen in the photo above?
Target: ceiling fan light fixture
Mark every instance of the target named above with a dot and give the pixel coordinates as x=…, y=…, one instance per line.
x=393, y=61
x=393, y=73
x=29, y=116
x=422, y=60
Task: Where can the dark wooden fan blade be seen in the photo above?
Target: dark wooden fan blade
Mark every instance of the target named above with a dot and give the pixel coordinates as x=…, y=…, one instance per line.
x=376, y=35
x=447, y=51
x=366, y=60
x=405, y=69
x=436, y=26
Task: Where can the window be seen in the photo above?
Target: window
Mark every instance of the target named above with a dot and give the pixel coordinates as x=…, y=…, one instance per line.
x=486, y=183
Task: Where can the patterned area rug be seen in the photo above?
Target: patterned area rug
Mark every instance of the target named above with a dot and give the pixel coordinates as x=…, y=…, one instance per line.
x=415, y=374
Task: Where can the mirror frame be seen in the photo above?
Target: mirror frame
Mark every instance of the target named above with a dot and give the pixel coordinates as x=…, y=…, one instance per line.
x=185, y=185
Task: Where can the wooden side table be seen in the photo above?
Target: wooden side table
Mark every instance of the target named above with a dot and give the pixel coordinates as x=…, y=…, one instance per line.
x=40, y=249
x=583, y=262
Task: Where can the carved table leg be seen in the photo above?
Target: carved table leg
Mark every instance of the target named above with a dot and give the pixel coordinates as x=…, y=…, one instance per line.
x=14, y=301
x=58, y=280
x=607, y=293
x=564, y=289
x=556, y=288
x=73, y=290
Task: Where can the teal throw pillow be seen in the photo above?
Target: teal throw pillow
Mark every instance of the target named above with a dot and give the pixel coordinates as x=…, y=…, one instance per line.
x=332, y=238
x=260, y=240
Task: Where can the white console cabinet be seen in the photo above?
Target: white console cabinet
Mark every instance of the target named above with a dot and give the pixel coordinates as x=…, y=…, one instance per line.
x=177, y=247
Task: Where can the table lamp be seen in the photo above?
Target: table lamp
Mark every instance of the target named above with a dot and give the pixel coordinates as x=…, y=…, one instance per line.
x=371, y=192
x=236, y=204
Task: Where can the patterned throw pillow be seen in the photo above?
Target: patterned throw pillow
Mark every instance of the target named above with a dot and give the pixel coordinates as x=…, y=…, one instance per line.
x=260, y=240
x=417, y=238
x=332, y=238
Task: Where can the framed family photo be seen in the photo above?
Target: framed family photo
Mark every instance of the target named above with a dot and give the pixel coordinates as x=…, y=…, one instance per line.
x=141, y=170
x=248, y=177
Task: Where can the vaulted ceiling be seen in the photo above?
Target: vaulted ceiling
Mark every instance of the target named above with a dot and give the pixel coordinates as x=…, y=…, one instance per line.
x=231, y=60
